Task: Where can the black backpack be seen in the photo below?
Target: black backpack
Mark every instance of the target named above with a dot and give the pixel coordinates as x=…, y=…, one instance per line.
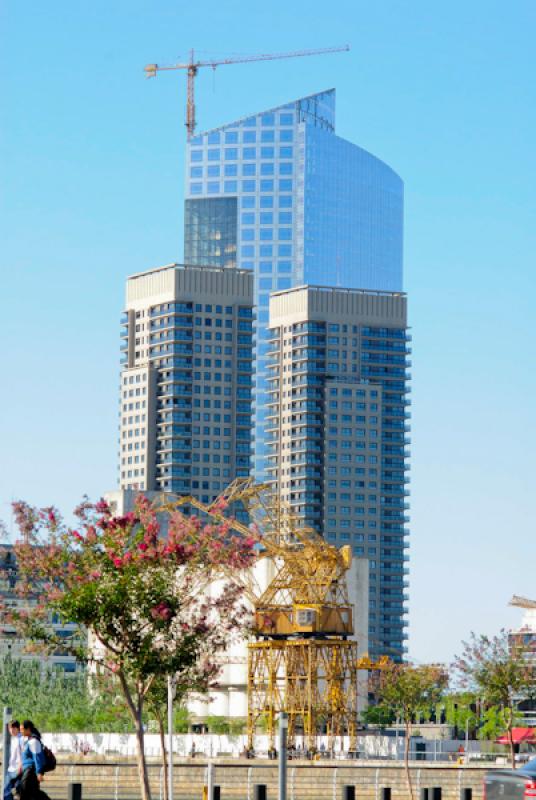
x=50, y=759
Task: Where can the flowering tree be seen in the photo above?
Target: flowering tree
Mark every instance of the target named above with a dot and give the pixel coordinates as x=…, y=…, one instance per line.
x=500, y=673
x=143, y=597
x=406, y=691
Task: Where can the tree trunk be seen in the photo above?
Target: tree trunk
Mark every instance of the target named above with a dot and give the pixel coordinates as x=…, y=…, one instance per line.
x=406, y=759
x=511, y=742
x=162, y=732
x=136, y=711
x=140, y=753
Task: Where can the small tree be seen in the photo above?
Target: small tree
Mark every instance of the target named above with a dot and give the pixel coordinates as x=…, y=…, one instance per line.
x=143, y=597
x=499, y=671
x=407, y=690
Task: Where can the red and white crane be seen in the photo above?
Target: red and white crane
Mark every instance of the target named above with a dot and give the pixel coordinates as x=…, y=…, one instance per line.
x=192, y=67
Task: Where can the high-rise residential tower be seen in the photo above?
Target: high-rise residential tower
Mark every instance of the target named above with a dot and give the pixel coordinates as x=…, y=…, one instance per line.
x=337, y=432
x=280, y=194
x=186, y=379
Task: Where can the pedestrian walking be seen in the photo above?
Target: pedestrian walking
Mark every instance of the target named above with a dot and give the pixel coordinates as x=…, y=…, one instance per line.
x=33, y=764
x=14, y=769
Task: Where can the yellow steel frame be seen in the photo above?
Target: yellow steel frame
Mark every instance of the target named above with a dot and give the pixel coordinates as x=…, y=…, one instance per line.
x=314, y=680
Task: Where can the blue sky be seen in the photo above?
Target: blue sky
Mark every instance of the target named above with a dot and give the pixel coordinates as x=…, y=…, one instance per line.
x=91, y=190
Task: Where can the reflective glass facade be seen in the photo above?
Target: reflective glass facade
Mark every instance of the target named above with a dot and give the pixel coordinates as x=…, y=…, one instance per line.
x=337, y=435
x=210, y=227
x=310, y=208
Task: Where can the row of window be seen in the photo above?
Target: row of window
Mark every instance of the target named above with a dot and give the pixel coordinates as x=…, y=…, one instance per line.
x=268, y=120
x=267, y=201
x=199, y=148
x=214, y=187
x=265, y=250
x=249, y=168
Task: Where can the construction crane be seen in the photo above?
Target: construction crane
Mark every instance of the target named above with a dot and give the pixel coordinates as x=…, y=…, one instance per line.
x=522, y=602
x=302, y=660
x=193, y=66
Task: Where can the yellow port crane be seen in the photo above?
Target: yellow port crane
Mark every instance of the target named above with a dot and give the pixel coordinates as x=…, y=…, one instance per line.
x=302, y=660
x=193, y=66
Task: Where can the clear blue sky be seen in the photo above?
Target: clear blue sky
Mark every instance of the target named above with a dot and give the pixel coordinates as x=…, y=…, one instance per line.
x=92, y=177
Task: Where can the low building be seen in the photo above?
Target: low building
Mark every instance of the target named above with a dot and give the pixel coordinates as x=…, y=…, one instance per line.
x=16, y=646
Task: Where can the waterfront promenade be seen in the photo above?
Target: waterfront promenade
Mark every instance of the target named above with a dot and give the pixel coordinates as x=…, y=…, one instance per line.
x=106, y=779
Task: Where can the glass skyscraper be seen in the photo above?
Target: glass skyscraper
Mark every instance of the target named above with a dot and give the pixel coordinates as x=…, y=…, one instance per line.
x=280, y=194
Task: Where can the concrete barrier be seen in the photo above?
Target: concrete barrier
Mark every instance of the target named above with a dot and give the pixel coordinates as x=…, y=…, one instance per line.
x=238, y=780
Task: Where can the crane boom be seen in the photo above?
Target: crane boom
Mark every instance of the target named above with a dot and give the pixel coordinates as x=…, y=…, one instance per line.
x=193, y=65
x=522, y=602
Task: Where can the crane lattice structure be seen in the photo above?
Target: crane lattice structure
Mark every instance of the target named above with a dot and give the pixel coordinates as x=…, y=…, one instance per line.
x=302, y=661
x=522, y=602
x=193, y=66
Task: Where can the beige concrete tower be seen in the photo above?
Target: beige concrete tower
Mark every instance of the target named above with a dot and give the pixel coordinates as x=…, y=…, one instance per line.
x=185, y=393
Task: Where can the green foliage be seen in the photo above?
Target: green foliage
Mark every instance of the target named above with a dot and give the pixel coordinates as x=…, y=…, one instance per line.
x=58, y=702
x=379, y=715
x=408, y=691
x=225, y=725
x=498, y=671
x=461, y=711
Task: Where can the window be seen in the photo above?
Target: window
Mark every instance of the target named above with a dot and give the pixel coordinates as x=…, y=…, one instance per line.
x=286, y=119
x=249, y=136
x=285, y=168
x=231, y=153
x=268, y=136
x=230, y=170
x=213, y=171
x=267, y=152
x=248, y=169
x=285, y=152
x=196, y=172
x=231, y=137
x=213, y=155
x=286, y=136
x=196, y=155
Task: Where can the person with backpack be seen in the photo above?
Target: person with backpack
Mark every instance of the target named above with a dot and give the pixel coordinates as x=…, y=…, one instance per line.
x=14, y=769
x=33, y=764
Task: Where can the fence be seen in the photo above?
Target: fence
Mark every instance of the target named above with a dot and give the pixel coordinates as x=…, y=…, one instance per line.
x=237, y=780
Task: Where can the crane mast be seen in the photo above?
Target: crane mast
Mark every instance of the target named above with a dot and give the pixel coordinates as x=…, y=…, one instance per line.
x=192, y=67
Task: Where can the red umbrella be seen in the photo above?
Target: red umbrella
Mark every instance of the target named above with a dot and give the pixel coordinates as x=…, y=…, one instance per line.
x=519, y=735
